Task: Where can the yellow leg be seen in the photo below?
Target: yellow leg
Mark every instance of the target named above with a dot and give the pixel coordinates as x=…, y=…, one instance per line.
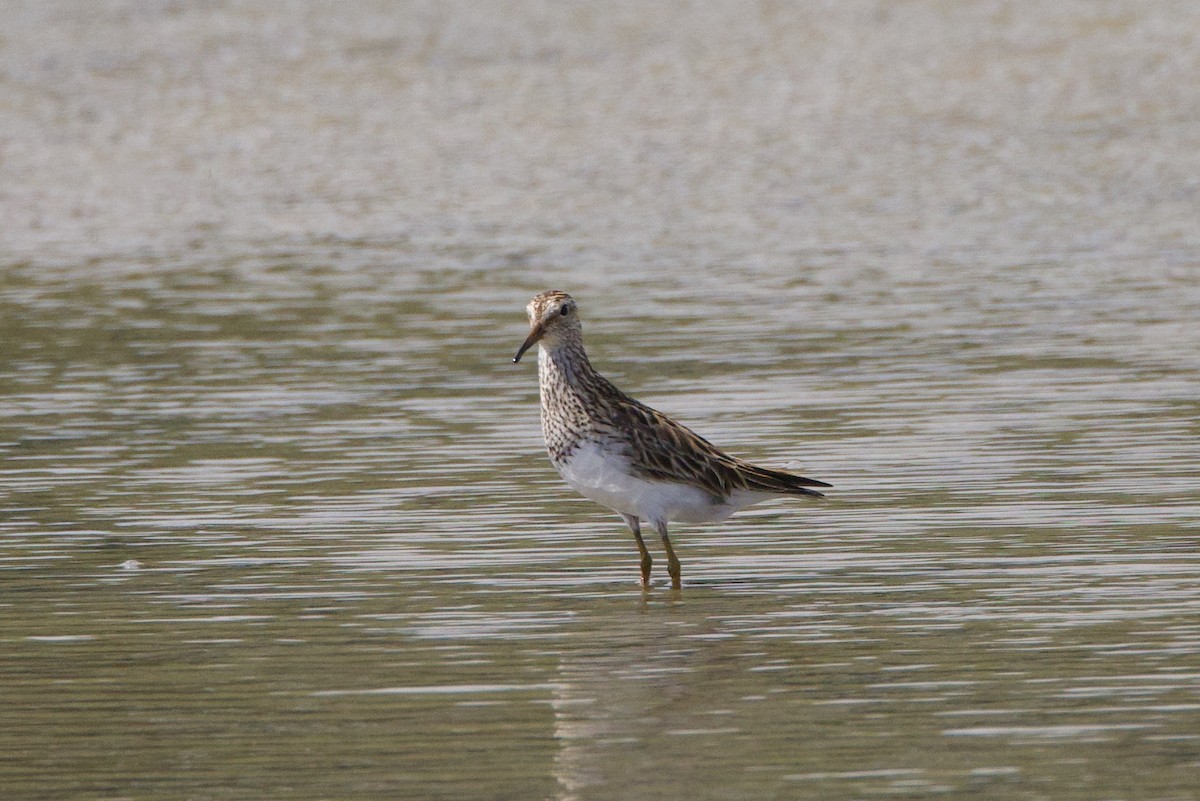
x=672, y=560
x=635, y=526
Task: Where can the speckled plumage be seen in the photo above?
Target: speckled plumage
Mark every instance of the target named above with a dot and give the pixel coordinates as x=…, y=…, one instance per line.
x=625, y=455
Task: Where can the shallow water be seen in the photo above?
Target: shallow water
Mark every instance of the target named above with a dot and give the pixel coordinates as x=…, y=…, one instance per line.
x=275, y=521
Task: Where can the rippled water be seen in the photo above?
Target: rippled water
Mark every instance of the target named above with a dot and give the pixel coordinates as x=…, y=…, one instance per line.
x=275, y=520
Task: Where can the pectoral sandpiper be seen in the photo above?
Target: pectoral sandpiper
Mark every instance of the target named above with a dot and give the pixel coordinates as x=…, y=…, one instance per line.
x=624, y=455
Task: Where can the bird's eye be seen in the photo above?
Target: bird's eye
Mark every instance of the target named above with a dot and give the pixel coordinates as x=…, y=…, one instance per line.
x=566, y=310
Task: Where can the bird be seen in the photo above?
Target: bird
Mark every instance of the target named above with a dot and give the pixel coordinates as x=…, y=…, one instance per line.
x=628, y=457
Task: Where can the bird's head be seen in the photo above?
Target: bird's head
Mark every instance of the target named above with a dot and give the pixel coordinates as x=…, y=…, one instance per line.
x=553, y=320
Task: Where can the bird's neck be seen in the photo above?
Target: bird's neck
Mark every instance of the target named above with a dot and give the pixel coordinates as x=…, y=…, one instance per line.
x=564, y=365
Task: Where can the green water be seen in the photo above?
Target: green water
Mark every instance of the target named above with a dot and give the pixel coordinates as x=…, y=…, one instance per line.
x=309, y=547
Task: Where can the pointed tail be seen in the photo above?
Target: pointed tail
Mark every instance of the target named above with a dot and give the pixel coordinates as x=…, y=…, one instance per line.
x=768, y=480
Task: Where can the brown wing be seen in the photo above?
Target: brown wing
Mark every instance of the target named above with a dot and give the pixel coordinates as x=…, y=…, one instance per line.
x=665, y=450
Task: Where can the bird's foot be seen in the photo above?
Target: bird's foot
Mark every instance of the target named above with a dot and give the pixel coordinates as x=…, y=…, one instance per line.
x=676, y=581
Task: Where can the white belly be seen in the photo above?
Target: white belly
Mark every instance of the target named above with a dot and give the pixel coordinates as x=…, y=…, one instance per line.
x=605, y=478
